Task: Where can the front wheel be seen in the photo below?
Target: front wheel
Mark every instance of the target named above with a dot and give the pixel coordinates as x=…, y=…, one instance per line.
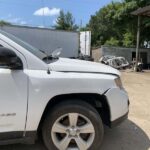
x=73, y=125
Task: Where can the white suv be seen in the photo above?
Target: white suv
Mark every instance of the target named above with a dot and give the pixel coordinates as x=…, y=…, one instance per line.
x=65, y=101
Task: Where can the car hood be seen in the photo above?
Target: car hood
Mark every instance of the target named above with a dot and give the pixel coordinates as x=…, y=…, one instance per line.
x=75, y=65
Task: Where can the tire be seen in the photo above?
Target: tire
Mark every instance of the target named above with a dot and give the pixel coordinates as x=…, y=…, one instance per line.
x=73, y=108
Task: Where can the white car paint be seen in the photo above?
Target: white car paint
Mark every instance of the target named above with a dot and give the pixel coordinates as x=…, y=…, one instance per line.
x=27, y=92
x=43, y=87
x=74, y=65
x=119, y=100
x=13, y=100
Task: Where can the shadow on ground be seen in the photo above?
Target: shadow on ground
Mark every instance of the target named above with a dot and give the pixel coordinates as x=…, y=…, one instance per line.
x=127, y=136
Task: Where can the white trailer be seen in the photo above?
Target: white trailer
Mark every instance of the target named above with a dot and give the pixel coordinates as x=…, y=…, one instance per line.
x=47, y=39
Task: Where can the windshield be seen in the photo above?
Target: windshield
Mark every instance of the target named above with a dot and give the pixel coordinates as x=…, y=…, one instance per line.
x=25, y=45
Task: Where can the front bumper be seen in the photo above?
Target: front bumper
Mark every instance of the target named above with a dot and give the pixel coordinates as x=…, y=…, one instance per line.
x=118, y=102
x=118, y=121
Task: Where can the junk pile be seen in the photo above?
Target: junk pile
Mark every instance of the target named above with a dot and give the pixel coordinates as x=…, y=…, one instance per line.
x=115, y=62
x=139, y=65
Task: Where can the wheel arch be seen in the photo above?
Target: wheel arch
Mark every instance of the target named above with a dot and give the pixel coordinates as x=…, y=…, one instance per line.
x=99, y=102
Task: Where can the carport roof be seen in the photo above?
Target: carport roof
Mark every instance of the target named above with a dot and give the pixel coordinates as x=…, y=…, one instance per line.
x=145, y=11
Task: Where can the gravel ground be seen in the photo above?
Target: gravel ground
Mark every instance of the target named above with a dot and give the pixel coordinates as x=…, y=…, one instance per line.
x=134, y=133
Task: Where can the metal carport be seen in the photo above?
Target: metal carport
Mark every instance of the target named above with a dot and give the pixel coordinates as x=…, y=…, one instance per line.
x=145, y=11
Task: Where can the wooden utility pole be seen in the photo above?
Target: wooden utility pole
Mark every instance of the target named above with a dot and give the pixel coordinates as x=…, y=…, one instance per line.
x=138, y=42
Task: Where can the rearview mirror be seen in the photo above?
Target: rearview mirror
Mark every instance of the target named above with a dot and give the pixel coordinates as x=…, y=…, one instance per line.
x=9, y=59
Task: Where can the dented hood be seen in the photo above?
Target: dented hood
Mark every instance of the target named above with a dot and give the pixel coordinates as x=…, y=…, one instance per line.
x=75, y=65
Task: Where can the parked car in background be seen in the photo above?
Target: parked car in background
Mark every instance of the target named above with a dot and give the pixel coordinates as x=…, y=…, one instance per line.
x=115, y=62
x=104, y=59
x=67, y=101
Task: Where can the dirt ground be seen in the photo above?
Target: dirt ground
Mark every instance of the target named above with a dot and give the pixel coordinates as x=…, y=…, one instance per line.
x=134, y=133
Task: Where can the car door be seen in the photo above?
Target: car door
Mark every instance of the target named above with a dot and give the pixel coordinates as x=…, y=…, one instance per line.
x=13, y=99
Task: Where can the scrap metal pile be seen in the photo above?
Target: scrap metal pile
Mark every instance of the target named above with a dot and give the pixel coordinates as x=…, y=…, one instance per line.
x=115, y=62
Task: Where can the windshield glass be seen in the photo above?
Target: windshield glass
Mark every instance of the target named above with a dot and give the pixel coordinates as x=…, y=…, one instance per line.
x=25, y=45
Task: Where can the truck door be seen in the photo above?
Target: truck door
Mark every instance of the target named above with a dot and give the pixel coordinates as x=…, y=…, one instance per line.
x=13, y=100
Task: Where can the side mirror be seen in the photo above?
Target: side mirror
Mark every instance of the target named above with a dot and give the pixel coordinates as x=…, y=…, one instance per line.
x=9, y=59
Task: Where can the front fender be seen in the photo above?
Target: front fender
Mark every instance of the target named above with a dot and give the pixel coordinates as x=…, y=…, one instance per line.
x=118, y=102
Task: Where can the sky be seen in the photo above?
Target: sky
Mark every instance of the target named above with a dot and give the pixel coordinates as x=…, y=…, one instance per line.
x=30, y=12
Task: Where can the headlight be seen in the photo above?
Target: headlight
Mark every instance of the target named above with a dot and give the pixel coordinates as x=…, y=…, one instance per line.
x=118, y=83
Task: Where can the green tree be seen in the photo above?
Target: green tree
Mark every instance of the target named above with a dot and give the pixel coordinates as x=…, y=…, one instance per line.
x=115, y=21
x=3, y=23
x=66, y=22
x=128, y=40
x=112, y=42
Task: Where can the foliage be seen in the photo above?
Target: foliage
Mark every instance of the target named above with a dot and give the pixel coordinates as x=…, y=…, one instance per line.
x=128, y=39
x=115, y=22
x=3, y=23
x=112, y=42
x=83, y=29
x=66, y=22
